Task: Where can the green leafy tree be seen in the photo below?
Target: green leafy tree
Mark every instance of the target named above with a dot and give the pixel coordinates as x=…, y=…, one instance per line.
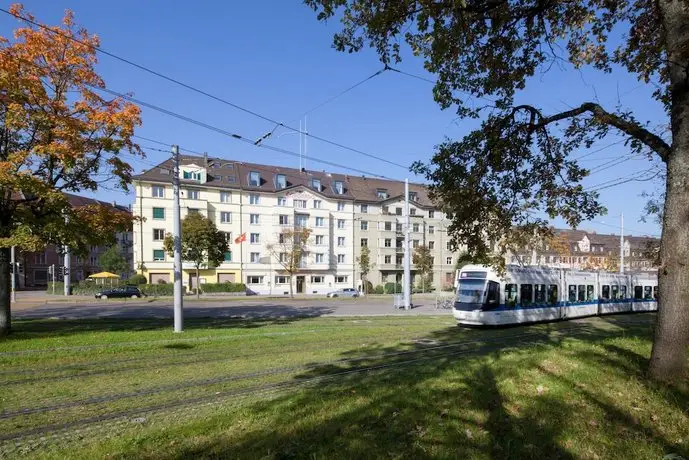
x=423, y=260
x=202, y=244
x=113, y=261
x=520, y=160
x=365, y=266
x=290, y=250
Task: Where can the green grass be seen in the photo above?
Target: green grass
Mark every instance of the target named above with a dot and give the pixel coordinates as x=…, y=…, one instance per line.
x=393, y=387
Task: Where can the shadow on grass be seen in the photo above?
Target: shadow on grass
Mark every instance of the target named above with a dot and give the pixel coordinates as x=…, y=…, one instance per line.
x=416, y=401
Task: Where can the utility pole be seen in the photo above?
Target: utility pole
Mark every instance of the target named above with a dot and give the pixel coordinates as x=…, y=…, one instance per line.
x=301, y=144
x=622, y=243
x=177, y=243
x=14, y=276
x=67, y=278
x=407, y=252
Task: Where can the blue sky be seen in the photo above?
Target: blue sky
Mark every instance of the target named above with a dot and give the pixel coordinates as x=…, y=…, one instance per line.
x=274, y=58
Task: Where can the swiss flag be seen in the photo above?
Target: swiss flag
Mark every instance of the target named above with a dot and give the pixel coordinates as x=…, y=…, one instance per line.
x=240, y=239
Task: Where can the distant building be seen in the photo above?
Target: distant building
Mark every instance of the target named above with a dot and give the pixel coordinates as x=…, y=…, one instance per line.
x=33, y=270
x=590, y=250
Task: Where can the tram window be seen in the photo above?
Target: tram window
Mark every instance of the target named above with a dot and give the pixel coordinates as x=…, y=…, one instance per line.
x=623, y=292
x=615, y=291
x=589, y=292
x=648, y=293
x=511, y=294
x=605, y=292
x=581, y=293
x=655, y=292
x=526, y=294
x=552, y=294
x=638, y=292
x=492, y=295
x=572, y=293
x=539, y=293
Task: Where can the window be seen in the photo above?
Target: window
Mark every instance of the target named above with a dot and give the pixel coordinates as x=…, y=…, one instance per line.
x=388, y=242
x=227, y=257
x=341, y=279
x=399, y=243
x=526, y=294
x=364, y=242
x=253, y=219
x=317, y=279
x=158, y=234
x=320, y=240
x=398, y=259
x=254, y=179
x=448, y=261
x=319, y=258
x=340, y=223
x=398, y=211
x=316, y=184
x=539, y=293
x=255, y=238
x=415, y=227
x=431, y=214
x=340, y=241
x=191, y=175
x=605, y=292
x=581, y=293
x=648, y=293
x=254, y=198
x=382, y=193
x=282, y=201
x=227, y=236
x=412, y=196
x=638, y=292
x=317, y=204
x=254, y=279
x=511, y=294
x=339, y=187
x=340, y=206
x=398, y=227
x=320, y=222
x=225, y=197
x=282, y=257
x=191, y=210
x=225, y=217
x=552, y=294
x=158, y=254
x=431, y=245
x=589, y=292
x=492, y=294
x=412, y=212
x=655, y=292
x=364, y=225
x=255, y=257
x=340, y=258
x=572, y=293
x=158, y=191
x=388, y=259
x=193, y=194
x=281, y=279
x=615, y=291
x=364, y=208
x=388, y=226
x=431, y=230
x=300, y=204
x=283, y=219
x=159, y=213
x=39, y=258
x=623, y=292
x=280, y=181
x=301, y=220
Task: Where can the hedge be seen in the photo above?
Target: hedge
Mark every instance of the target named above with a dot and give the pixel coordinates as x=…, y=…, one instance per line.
x=379, y=290
x=158, y=289
x=223, y=287
x=393, y=288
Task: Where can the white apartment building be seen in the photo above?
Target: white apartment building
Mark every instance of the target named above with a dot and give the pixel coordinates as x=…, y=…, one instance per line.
x=253, y=203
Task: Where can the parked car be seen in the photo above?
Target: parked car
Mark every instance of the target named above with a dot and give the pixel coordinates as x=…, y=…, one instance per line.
x=120, y=292
x=346, y=292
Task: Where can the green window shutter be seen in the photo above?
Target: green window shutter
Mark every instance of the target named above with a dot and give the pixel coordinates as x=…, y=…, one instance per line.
x=159, y=213
x=158, y=254
x=228, y=256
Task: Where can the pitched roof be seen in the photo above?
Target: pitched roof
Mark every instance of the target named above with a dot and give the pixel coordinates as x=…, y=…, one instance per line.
x=78, y=200
x=235, y=175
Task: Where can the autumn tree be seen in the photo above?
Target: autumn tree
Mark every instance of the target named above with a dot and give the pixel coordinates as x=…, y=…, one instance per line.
x=520, y=160
x=290, y=251
x=202, y=244
x=113, y=261
x=422, y=258
x=56, y=135
x=559, y=243
x=365, y=266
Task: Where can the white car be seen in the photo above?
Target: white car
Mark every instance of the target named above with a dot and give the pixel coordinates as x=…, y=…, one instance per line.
x=346, y=292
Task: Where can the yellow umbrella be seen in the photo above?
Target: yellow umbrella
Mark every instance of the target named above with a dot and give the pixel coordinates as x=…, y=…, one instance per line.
x=103, y=276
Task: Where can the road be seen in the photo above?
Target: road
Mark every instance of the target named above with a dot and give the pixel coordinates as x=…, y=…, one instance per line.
x=31, y=305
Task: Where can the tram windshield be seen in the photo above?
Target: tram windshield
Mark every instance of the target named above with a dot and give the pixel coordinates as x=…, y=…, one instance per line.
x=470, y=290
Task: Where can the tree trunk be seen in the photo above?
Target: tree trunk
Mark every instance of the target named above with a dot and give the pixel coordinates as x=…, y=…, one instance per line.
x=198, y=284
x=669, y=356
x=5, y=280
x=291, y=292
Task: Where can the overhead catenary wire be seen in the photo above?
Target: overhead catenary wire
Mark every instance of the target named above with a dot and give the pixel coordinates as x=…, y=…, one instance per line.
x=204, y=93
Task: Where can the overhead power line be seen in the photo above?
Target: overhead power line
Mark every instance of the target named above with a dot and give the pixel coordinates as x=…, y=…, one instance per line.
x=204, y=93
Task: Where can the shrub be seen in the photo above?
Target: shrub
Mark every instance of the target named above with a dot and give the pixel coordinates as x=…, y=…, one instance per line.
x=379, y=290
x=136, y=280
x=157, y=289
x=223, y=287
x=393, y=288
x=161, y=281
x=89, y=288
x=59, y=288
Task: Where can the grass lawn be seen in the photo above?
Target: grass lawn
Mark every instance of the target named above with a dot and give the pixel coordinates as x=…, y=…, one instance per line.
x=392, y=387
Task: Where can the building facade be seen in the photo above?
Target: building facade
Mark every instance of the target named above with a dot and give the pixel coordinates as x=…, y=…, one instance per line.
x=254, y=204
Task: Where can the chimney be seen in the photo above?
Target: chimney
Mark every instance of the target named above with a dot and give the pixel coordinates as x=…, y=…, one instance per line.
x=205, y=160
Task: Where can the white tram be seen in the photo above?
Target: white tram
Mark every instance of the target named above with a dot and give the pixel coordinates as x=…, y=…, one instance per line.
x=534, y=294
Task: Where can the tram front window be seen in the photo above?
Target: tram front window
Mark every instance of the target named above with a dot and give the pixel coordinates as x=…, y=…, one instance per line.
x=471, y=291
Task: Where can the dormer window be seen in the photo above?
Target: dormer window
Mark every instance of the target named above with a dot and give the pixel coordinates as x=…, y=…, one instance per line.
x=382, y=194
x=191, y=175
x=280, y=181
x=412, y=196
x=316, y=184
x=339, y=187
x=254, y=179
